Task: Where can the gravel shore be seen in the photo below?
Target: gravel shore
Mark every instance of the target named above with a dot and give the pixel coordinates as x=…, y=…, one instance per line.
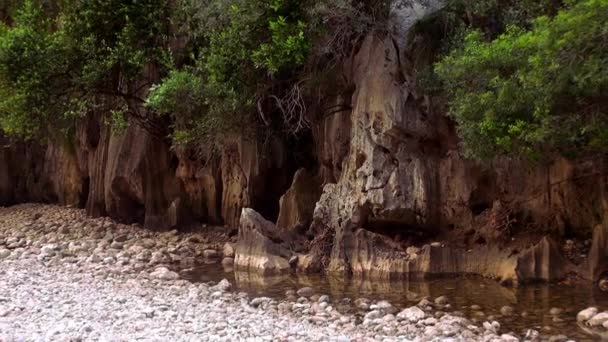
x=66, y=277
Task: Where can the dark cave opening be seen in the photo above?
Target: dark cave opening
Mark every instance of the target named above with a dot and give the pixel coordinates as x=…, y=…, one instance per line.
x=84, y=192
x=480, y=207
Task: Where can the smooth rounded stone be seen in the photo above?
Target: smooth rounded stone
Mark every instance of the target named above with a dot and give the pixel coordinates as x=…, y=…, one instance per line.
x=223, y=286
x=121, y=238
x=425, y=302
x=323, y=299
x=109, y=260
x=441, y=300
x=228, y=261
x=362, y=303
x=148, y=243
x=136, y=249
x=436, y=244
x=49, y=249
x=586, y=314
x=144, y=256
x=116, y=245
x=383, y=305
x=305, y=292
x=158, y=258
x=374, y=314
x=4, y=253
x=507, y=310
x=164, y=273
x=94, y=258
x=259, y=301
x=556, y=311
x=429, y=321
x=458, y=313
x=531, y=335
x=210, y=254
x=412, y=314
x=475, y=307
x=508, y=338
x=492, y=327
x=558, y=338
x=598, y=319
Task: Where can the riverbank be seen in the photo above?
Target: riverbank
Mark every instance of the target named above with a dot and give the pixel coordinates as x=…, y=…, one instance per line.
x=64, y=276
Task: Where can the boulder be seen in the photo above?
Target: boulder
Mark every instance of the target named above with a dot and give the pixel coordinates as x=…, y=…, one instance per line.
x=259, y=247
x=598, y=319
x=585, y=315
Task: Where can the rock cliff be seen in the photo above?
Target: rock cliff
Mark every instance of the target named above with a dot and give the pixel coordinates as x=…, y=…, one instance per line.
x=389, y=194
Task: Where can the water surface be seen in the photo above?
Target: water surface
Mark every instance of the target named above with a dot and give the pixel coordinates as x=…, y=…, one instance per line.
x=532, y=303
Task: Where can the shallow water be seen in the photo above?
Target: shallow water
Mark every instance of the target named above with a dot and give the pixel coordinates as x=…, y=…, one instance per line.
x=532, y=303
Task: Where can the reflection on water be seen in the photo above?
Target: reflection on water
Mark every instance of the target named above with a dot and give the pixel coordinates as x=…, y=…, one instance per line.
x=532, y=303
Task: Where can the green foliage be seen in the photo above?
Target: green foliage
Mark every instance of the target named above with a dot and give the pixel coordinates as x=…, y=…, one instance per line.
x=533, y=91
x=33, y=62
x=239, y=49
x=119, y=121
x=116, y=38
x=288, y=45
x=56, y=63
x=215, y=63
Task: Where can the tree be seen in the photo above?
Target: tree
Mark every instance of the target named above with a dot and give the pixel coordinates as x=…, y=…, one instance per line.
x=533, y=92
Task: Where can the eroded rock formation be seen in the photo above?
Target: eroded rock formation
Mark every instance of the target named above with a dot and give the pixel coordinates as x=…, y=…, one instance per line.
x=388, y=181
x=260, y=246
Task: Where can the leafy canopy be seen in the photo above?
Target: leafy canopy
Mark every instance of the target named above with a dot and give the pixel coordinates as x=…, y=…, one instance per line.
x=532, y=92
x=56, y=66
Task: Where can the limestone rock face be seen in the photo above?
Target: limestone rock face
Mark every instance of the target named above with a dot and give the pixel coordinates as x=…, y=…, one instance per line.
x=298, y=203
x=597, y=261
x=134, y=176
x=332, y=135
x=375, y=256
x=259, y=247
x=131, y=176
x=404, y=181
x=542, y=262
